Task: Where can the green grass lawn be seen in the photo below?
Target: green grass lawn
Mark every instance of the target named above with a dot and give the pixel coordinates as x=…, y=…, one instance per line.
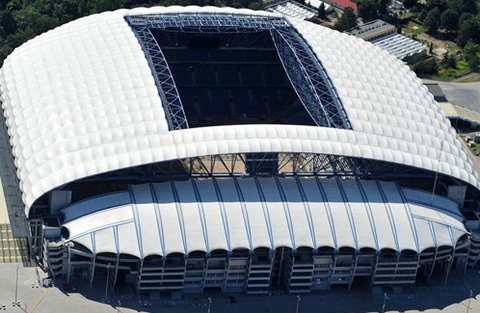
x=412, y=29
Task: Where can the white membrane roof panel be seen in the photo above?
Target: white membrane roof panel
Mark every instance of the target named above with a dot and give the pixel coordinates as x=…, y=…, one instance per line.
x=363, y=221
x=330, y=223
x=237, y=218
x=171, y=233
x=80, y=100
x=214, y=213
x=275, y=209
x=147, y=220
x=382, y=224
x=404, y=227
x=300, y=213
x=188, y=205
x=342, y=221
x=258, y=219
x=325, y=232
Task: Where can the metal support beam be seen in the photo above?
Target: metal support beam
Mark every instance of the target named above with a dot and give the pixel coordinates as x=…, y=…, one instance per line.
x=310, y=80
x=167, y=89
x=305, y=71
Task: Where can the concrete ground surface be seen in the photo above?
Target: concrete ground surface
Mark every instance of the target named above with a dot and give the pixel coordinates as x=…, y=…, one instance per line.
x=454, y=298
x=466, y=95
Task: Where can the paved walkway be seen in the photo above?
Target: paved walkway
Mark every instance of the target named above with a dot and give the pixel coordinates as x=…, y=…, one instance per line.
x=455, y=298
x=10, y=195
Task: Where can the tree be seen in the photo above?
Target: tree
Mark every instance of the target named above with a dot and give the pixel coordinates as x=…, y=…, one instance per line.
x=373, y=9
x=471, y=53
x=7, y=23
x=347, y=20
x=256, y=6
x=449, y=20
x=408, y=4
x=440, y=4
x=463, y=6
x=469, y=31
x=399, y=29
x=322, y=13
x=432, y=20
x=449, y=61
x=367, y=9
x=428, y=67
x=463, y=18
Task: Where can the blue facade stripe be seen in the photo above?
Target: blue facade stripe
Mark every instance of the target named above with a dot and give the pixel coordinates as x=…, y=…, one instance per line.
x=391, y=218
x=308, y=212
x=432, y=231
x=286, y=211
x=136, y=221
x=223, y=212
x=181, y=222
x=348, y=210
x=201, y=214
x=370, y=215
x=266, y=213
x=409, y=213
x=328, y=210
x=116, y=238
x=246, y=219
x=158, y=217
x=94, y=243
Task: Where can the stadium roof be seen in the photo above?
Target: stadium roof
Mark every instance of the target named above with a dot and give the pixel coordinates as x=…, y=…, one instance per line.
x=81, y=100
x=292, y=9
x=251, y=213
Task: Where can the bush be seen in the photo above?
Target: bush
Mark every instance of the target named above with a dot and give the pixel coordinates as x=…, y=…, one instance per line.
x=428, y=67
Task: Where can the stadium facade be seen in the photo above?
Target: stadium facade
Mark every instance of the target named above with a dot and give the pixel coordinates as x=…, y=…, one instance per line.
x=184, y=148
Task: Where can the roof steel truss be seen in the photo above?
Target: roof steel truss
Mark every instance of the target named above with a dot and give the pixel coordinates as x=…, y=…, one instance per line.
x=167, y=89
x=205, y=22
x=305, y=71
x=309, y=79
x=286, y=164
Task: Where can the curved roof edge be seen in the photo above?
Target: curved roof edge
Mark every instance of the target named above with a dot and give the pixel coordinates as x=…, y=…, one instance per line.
x=313, y=213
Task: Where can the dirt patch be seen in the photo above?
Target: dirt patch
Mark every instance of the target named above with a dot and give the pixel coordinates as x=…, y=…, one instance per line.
x=440, y=47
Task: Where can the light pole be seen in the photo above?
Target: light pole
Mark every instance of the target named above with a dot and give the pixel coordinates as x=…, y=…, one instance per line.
x=209, y=304
x=16, y=285
x=470, y=298
x=298, y=303
x=384, y=300
x=106, y=285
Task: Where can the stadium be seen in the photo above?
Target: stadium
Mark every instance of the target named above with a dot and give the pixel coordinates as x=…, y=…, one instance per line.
x=181, y=149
